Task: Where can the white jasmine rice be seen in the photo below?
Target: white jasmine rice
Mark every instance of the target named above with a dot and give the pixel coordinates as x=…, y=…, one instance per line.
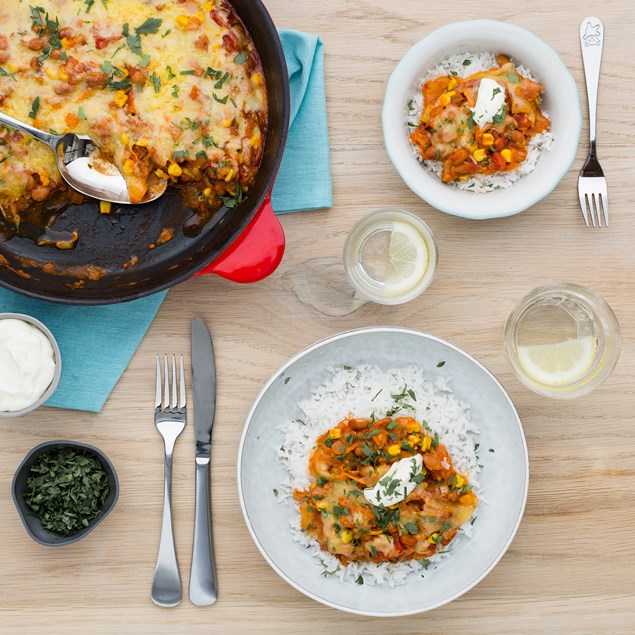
x=463, y=65
x=362, y=391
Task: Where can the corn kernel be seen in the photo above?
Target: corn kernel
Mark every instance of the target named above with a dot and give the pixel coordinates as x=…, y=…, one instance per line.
x=62, y=75
x=488, y=139
x=105, y=207
x=120, y=98
x=467, y=499
x=128, y=167
x=66, y=42
x=413, y=439
x=161, y=174
x=142, y=143
x=507, y=154
x=51, y=72
x=12, y=68
x=182, y=21
x=426, y=443
x=459, y=481
x=394, y=449
x=452, y=83
x=175, y=170
x=44, y=177
x=228, y=122
x=347, y=536
x=124, y=138
x=479, y=154
x=321, y=504
x=446, y=98
x=433, y=538
x=413, y=426
x=207, y=192
x=257, y=79
x=229, y=176
x=123, y=72
x=207, y=6
x=255, y=141
x=335, y=433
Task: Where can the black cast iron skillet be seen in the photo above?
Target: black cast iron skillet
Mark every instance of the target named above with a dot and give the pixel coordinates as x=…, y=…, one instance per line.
x=108, y=242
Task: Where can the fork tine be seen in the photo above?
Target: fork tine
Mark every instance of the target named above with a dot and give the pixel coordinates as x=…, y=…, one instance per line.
x=604, y=198
x=166, y=389
x=583, y=206
x=157, y=400
x=182, y=393
x=592, y=208
x=173, y=404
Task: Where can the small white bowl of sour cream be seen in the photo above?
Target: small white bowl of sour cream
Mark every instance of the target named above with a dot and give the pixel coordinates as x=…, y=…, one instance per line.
x=30, y=364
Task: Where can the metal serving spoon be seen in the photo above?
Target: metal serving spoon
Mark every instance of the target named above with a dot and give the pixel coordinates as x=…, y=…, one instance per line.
x=72, y=155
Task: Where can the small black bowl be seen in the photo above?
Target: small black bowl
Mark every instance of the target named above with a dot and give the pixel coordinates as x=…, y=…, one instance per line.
x=31, y=521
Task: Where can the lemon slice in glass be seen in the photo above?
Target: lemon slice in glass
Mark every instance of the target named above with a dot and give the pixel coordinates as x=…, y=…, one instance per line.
x=558, y=364
x=408, y=254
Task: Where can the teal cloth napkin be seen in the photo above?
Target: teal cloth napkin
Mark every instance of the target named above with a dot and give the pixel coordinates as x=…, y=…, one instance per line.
x=97, y=343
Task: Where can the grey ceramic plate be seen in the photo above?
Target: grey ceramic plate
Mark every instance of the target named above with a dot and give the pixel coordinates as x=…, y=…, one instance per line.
x=504, y=477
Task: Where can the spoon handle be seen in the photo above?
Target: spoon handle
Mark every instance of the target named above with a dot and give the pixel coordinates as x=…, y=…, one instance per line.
x=45, y=137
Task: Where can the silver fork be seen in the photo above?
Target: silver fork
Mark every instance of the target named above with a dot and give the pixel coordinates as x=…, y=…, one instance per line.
x=169, y=418
x=594, y=199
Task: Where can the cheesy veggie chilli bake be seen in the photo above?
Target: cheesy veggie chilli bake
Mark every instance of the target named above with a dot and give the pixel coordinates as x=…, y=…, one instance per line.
x=484, y=125
x=383, y=491
x=166, y=89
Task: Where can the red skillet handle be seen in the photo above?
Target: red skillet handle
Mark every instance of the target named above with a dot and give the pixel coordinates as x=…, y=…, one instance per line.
x=256, y=253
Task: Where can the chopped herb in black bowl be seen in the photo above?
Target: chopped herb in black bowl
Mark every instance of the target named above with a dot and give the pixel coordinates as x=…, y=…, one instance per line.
x=67, y=488
x=63, y=490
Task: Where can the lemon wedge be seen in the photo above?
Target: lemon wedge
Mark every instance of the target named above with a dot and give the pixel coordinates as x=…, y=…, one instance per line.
x=558, y=364
x=408, y=254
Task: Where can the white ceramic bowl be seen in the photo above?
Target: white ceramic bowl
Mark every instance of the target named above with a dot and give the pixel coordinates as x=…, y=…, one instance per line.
x=58, y=363
x=561, y=101
x=504, y=477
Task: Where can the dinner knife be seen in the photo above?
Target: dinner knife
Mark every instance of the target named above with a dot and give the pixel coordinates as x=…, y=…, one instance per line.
x=203, y=588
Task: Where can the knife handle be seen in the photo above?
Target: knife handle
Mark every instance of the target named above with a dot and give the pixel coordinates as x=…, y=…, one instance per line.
x=203, y=591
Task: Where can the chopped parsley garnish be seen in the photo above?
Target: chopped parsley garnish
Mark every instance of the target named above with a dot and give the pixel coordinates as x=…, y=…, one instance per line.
x=175, y=91
x=171, y=74
x=190, y=71
x=220, y=101
x=156, y=82
x=5, y=73
x=179, y=154
x=151, y=25
x=234, y=201
x=359, y=580
x=499, y=117
x=440, y=364
x=35, y=106
x=466, y=62
x=81, y=114
x=201, y=154
x=412, y=528
x=513, y=78
x=275, y=492
x=222, y=80
x=241, y=58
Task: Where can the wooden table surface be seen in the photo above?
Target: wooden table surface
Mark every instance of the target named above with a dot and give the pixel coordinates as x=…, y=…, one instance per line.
x=571, y=567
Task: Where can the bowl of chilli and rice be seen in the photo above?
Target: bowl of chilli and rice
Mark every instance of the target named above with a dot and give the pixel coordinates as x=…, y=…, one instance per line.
x=406, y=375
x=460, y=50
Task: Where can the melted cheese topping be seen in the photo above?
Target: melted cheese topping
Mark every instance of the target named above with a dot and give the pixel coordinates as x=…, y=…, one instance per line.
x=166, y=90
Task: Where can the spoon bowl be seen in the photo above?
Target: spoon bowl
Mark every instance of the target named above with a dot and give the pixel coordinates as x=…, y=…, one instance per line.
x=73, y=156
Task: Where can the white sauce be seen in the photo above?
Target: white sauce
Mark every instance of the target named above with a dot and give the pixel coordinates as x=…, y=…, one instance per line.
x=396, y=484
x=489, y=101
x=27, y=364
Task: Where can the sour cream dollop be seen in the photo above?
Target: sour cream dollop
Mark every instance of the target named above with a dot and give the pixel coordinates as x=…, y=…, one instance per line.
x=396, y=485
x=489, y=101
x=27, y=364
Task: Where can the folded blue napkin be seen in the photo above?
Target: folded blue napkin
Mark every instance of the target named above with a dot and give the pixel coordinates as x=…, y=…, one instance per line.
x=97, y=343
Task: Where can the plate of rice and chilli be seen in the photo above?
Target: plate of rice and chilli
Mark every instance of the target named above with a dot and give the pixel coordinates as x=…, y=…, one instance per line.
x=383, y=472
